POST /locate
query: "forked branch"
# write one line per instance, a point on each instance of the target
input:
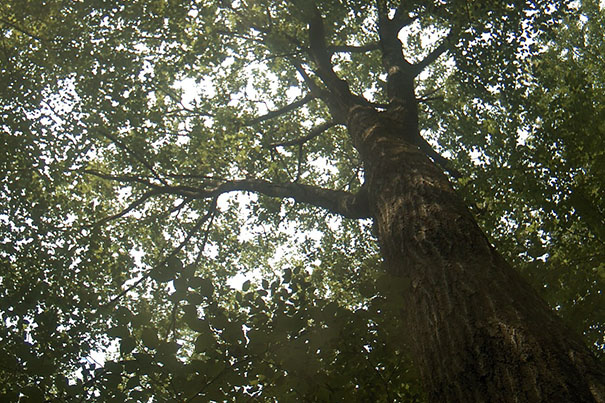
(347, 204)
(281, 111)
(322, 56)
(443, 47)
(315, 132)
(350, 205)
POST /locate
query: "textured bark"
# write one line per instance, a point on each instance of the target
(479, 332)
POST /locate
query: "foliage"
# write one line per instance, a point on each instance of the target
(245, 296)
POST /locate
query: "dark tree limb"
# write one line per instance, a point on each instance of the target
(146, 196)
(313, 87)
(443, 162)
(336, 108)
(443, 47)
(315, 132)
(299, 163)
(383, 14)
(339, 202)
(399, 70)
(283, 110)
(119, 178)
(347, 204)
(322, 57)
(401, 18)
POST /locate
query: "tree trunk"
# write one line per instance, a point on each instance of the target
(479, 332)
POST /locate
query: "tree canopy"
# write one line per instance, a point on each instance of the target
(179, 220)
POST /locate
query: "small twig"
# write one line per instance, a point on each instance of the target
(22, 30)
(174, 252)
(299, 164)
(147, 195)
(134, 154)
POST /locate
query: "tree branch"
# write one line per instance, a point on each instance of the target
(347, 204)
(438, 158)
(282, 110)
(401, 18)
(444, 46)
(147, 195)
(299, 163)
(22, 30)
(322, 57)
(335, 109)
(381, 8)
(339, 202)
(313, 87)
(119, 178)
(316, 131)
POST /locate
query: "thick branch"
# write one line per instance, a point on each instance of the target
(401, 18)
(444, 46)
(335, 107)
(322, 57)
(316, 131)
(438, 158)
(339, 202)
(281, 111)
(347, 204)
(390, 46)
(313, 87)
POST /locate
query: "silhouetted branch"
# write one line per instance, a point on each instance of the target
(119, 178)
(339, 202)
(281, 111)
(146, 196)
(438, 158)
(299, 163)
(313, 87)
(444, 46)
(322, 57)
(401, 18)
(316, 131)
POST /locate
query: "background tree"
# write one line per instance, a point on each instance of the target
(125, 124)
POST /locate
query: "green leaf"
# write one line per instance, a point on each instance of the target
(246, 285)
(150, 337)
(127, 344)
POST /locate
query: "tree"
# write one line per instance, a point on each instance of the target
(117, 236)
